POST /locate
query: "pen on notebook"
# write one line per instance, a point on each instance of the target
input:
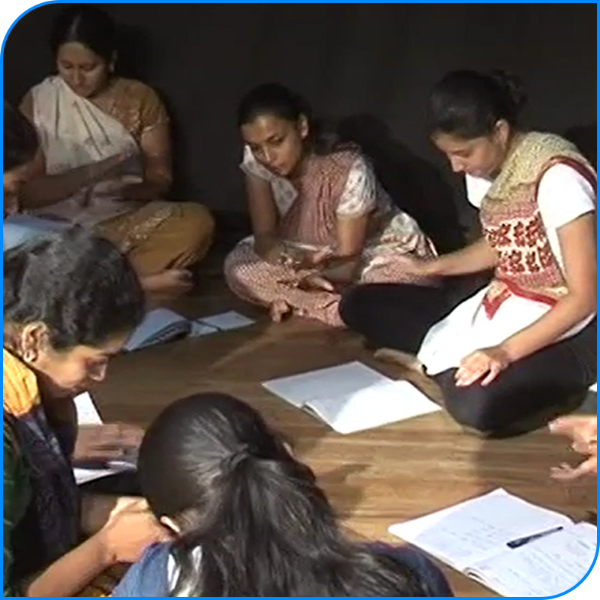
(530, 538)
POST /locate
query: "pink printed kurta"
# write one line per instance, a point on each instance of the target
(337, 186)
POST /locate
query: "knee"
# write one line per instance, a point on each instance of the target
(198, 225)
(475, 407)
(238, 269)
(352, 306)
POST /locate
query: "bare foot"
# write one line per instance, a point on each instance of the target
(172, 281)
(278, 310)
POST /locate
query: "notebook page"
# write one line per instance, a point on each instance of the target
(478, 529)
(227, 320)
(338, 382)
(379, 404)
(158, 325)
(199, 329)
(87, 413)
(546, 567)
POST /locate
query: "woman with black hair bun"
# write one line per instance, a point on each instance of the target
(321, 220)
(522, 349)
(250, 520)
(105, 161)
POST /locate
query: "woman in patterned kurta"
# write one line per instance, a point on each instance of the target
(320, 218)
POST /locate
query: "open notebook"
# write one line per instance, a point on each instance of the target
(513, 547)
(87, 414)
(352, 397)
(163, 325)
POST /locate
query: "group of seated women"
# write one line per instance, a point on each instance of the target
(239, 514)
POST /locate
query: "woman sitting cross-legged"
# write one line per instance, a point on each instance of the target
(320, 218)
(105, 161)
(523, 349)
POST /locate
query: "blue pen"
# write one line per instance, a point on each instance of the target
(530, 538)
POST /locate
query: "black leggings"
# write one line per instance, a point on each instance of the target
(524, 397)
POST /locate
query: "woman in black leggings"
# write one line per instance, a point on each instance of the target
(518, 352)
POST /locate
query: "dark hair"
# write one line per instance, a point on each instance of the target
(468, 104)
(20, 139)
(78, 284)
(87, 25)
(279, 101)
(263, 525)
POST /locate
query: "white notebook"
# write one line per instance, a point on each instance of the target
(87, 414)
(352, 397)
(162, 325)
(513, 547)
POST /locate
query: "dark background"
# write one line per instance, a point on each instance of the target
(374, 60)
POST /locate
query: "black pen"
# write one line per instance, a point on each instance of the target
(530, 538)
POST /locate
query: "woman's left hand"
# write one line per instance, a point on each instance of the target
(482, 365)
(110, 442)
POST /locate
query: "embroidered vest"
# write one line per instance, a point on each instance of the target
(512, 222)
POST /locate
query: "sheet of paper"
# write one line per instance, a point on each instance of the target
(340, 381)
(547, 567)
(227, 320)
(477, 529)
(86, 475)
(352, 397)
(200, 329)
(87, 413)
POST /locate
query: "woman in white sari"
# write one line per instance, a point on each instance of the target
(105, 161)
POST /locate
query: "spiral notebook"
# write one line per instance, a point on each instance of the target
(352, 397)
(513, 547)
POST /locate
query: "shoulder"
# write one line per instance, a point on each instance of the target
(149, 576)
(565, 192)
(135, 87)
(346, 157)
(137, 92)
(342, 164)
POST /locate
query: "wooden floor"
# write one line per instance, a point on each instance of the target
(374, 478)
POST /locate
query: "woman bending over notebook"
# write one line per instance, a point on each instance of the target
(70, 302)
(249, 518)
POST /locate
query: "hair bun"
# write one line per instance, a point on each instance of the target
(512, 86)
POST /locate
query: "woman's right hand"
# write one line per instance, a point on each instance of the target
(112, 167)
(130, 531)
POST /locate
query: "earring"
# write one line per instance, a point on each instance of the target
(30, 356)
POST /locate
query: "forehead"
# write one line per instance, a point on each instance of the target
(265, 127)
(111, 347)
(77, 53)
(451, 144)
